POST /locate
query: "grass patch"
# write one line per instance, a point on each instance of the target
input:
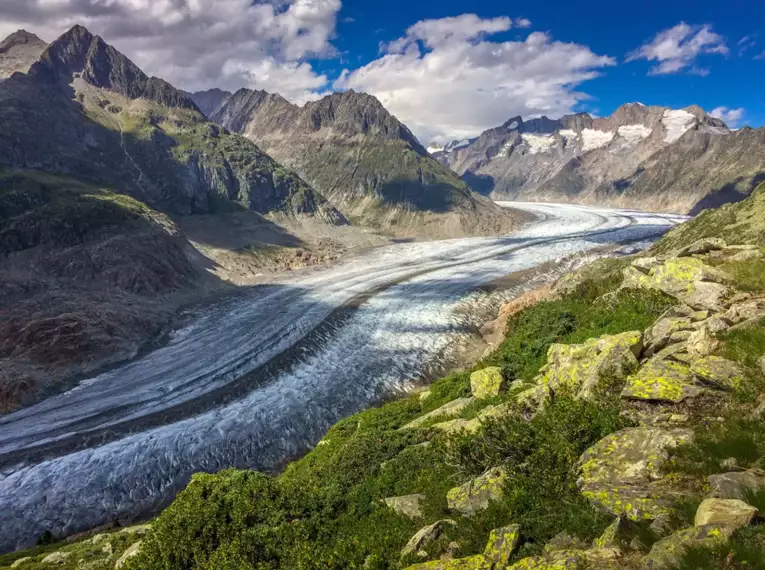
(744, 551)
(747, 275)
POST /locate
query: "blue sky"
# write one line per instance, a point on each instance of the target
(735, 80)
(447, 68)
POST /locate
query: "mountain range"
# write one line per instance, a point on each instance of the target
(366, 162)
(647, 157)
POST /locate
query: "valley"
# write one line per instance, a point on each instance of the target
(121, 444)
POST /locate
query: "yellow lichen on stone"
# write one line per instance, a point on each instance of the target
(487, 383)
(477, 562)
(502, 544)
(661, 380)
(477, 494)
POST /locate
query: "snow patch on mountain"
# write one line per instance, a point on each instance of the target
(594, 139)
(569, 133)
(512, 126)
(677, 123)
(634, 133)
(538, 143)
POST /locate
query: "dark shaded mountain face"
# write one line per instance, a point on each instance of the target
(211, 100)
(350, 148)
(18, 52)
(87, 111)
(654, 158)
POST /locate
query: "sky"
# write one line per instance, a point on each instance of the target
(448, 69)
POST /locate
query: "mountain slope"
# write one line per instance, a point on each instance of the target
(365, 161)
(87, 111)
(648, 157)
(18, 52)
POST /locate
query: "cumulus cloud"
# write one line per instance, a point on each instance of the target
(731, 117)
(446, 79)
(197, 44)
(677, 49)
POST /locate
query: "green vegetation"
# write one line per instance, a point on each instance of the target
(742, 223)
(326, 510)
(744, 551)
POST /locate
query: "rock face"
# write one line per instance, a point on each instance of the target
(364, 160)
(86, 110)
(18, 52)
(655, 158)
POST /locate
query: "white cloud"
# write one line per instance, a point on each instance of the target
(677, 49)
(445, 79)
(731, 117)
(197, 44)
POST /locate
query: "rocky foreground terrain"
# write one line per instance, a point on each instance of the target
(651, 158)
(367, 163)
(618, 425)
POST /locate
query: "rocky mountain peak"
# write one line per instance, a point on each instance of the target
(20, 38)
(211, 100)
(78, 52)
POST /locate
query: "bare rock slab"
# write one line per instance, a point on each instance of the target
(730, 513)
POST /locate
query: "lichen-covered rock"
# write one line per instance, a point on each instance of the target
(730, 513)
(687, 279)
(735, 485)
(718, 371)
(618, 535)
(664, 332)
(702, 342)
(702, 246)
(661, 380)
(425, 536)
(668, 552)
(477, 494)
(747, 255)
(635, 501)
(477, 562)
(58, 557)
(487, 383)
(21, 561)
(631, 455)
(458, 425)
(559, 560)
(409, 505)
(136, 530)
(133, 550)
(744, 312)
(502, 544)
(449, 410)
(579, 368)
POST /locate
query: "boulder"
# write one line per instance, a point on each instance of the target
(133, 550)
(645, 264)
(559, 560)
(687, 279)
(631, 455)
(502, 544)
(449, 410)
(661, 380)
(477, 494)
(730, 513)
(579, 368)
(701, 247)
(664, 332)
(702, 342)
(21, 561)
(409, 506)
(635, 501)
(667, 553)
(477, 562)
(458, 425)
(735, 485)
(746, 311)
(717, 371)
(425, 536)
(487, 383)
(761, 362)
(618, 535)
(136, 530)
(57, 557)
